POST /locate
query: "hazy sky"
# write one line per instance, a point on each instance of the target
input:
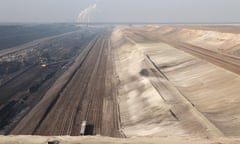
(217, 11)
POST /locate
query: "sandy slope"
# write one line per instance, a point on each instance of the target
(227, 41)
(179, 94)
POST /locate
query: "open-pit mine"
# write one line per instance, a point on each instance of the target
(123, 81)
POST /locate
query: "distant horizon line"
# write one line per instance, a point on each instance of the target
(125, 23)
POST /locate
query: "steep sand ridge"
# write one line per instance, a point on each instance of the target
(226, 42)
(210, 39)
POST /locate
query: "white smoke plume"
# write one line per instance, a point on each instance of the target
(86, 15)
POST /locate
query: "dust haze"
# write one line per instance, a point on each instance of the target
(110, 71)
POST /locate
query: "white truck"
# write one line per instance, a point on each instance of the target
(83, 127)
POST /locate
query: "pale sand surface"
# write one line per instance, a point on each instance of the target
(203, 97)
(227, 42)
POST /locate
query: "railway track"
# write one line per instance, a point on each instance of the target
(86, 72)
(32, 121)
(72, 117)
(80, 99)
(94, 114)
(68, 100)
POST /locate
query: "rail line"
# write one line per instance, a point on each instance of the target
(69, 119)
(81, 98)
(42, 109)
(95, 99)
